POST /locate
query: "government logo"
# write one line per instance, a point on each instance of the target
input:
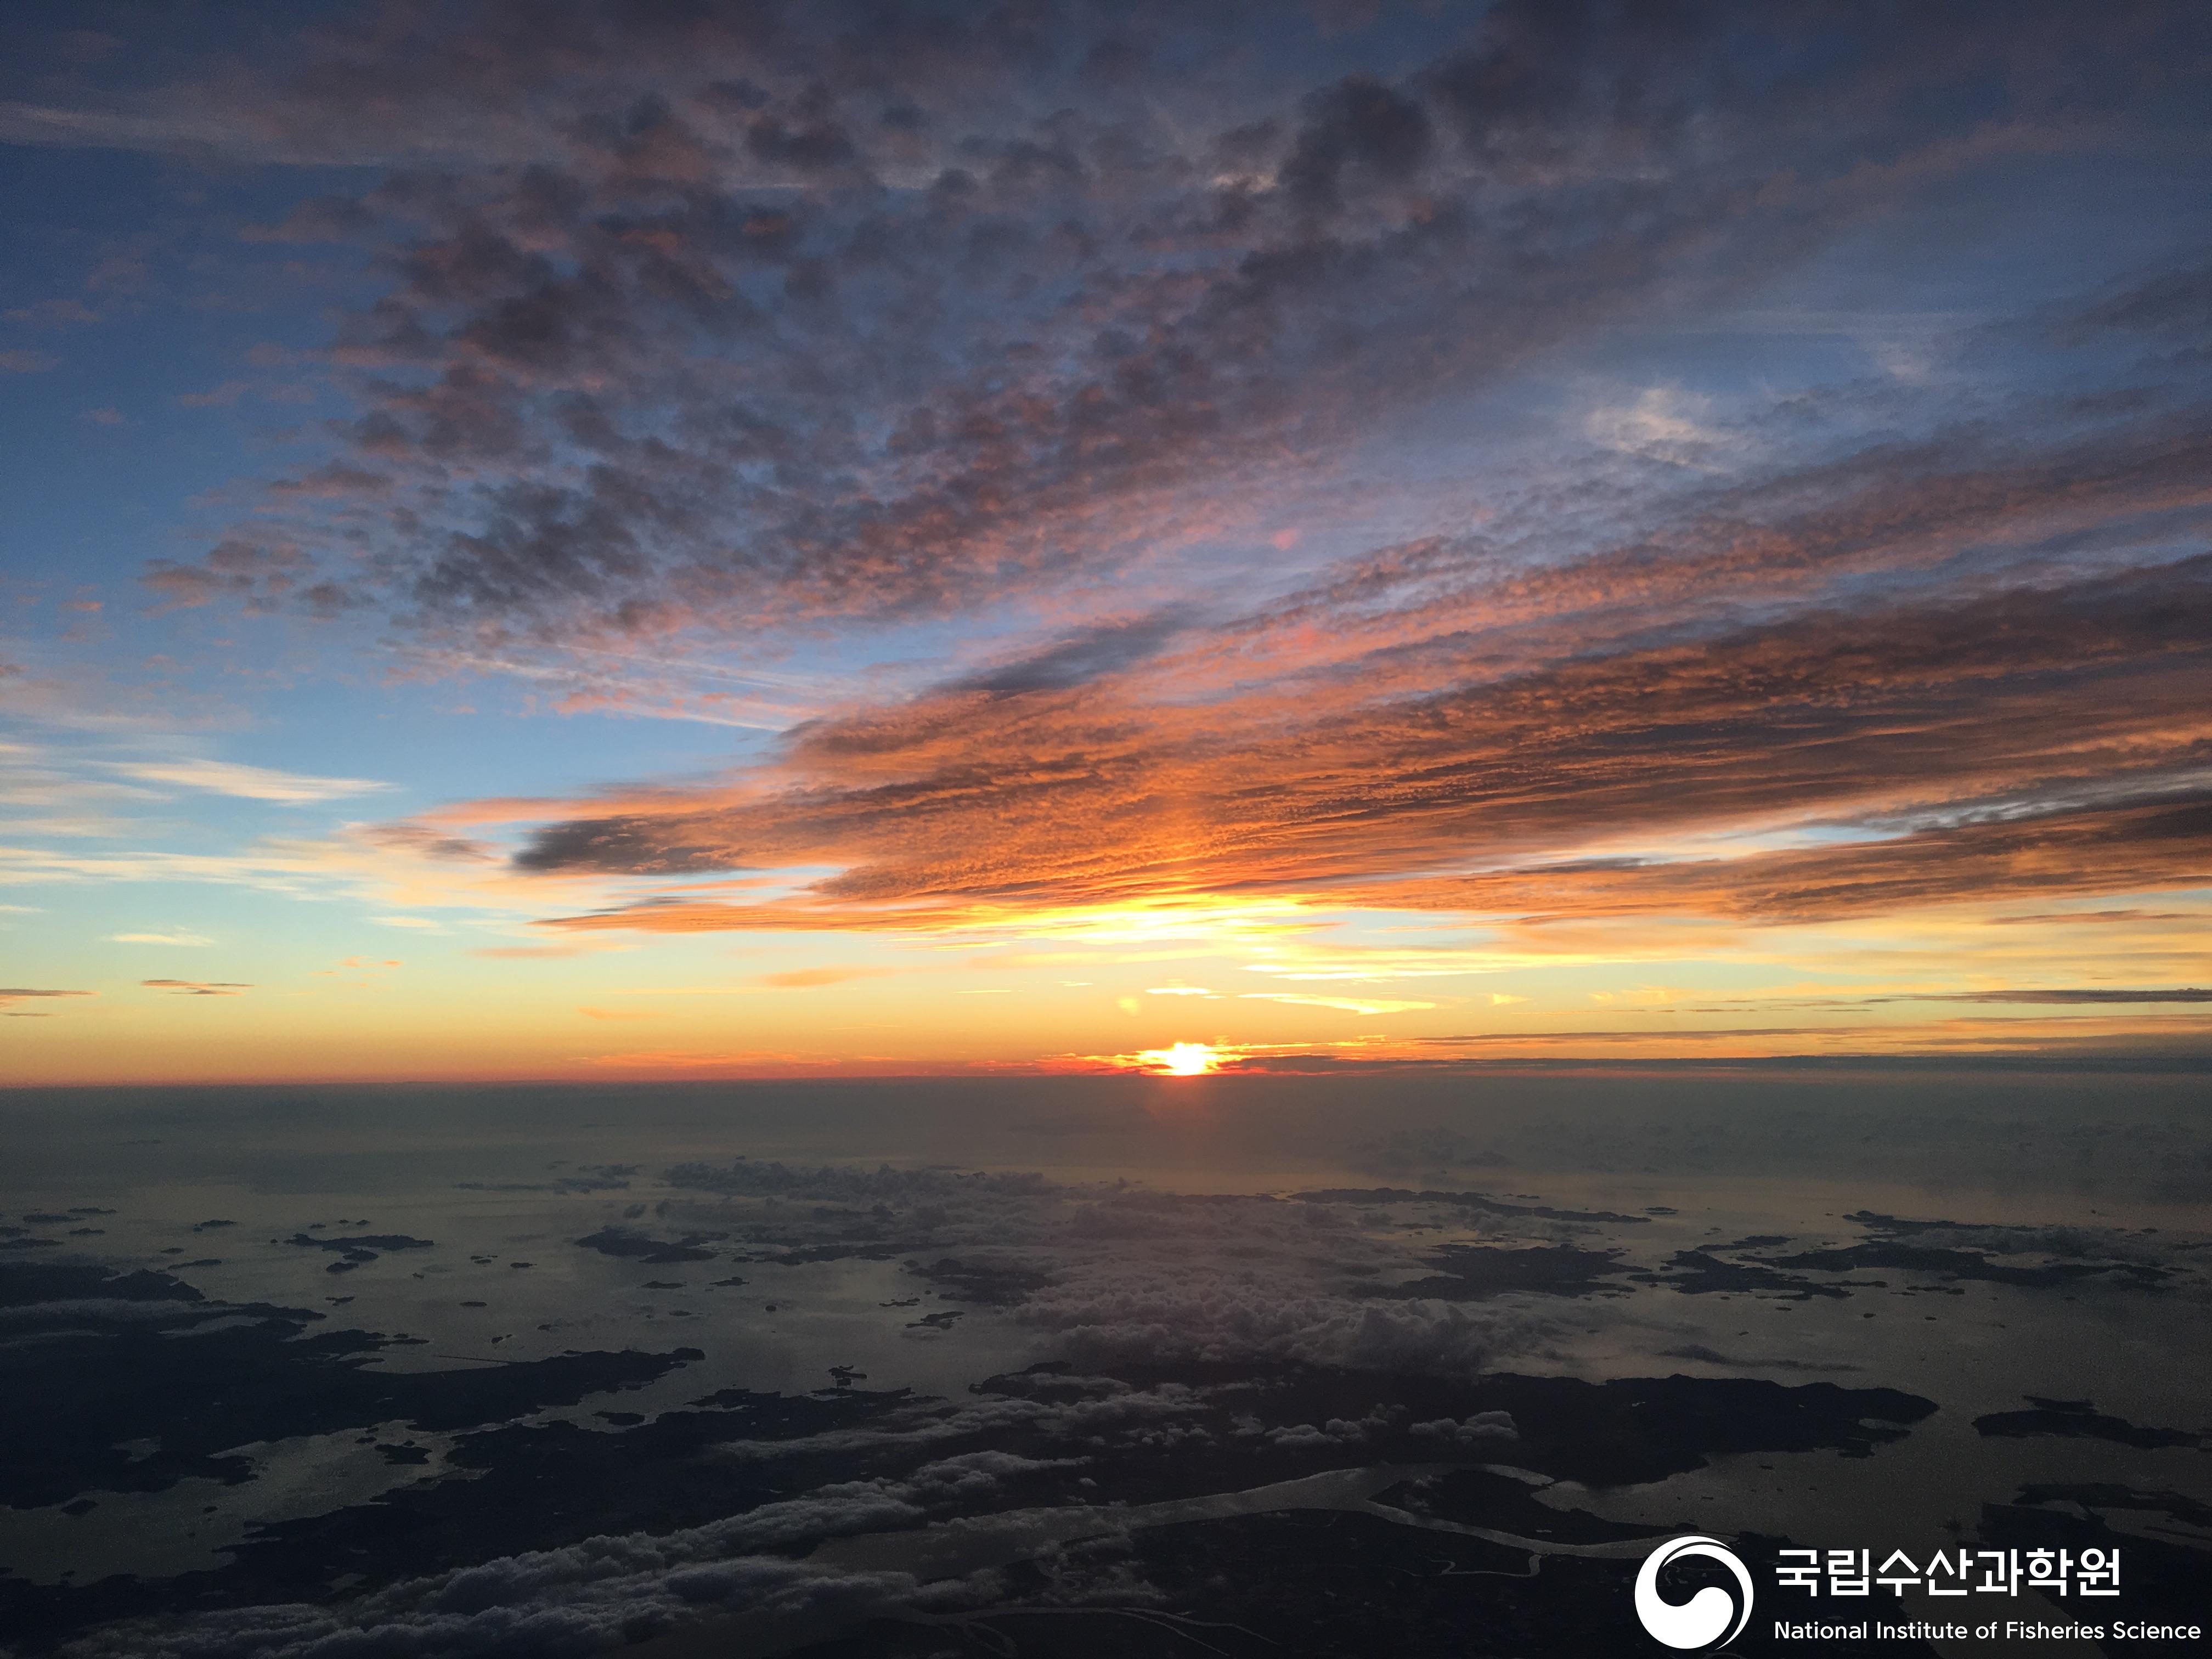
(1700, 1621)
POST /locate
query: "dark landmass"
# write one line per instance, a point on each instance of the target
(1483, 1498)
(864, 1250)
(1474, 1272)
(2089, 1252)
(2105, 1495)
(1478, 1201)
(635, 1246)
(1967, 1264)
(1616, 1433)
(377, 1242)
(1700, 1273)
(161, 1362)
(1201, 1429)
(358, 1251)
(1709, 1356)
(2076, 1418)
(27, 1284)
(534, 1487)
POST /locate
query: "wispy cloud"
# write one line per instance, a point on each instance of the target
(367, 863)
(1342, 1004)
(196, 988)
(803, 978)
(2082, 994)
(542, 952)
(245, 783)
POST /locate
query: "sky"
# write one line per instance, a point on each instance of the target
(571, 539)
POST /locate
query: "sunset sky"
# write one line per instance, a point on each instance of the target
(554, 539)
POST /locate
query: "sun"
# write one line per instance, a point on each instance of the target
(1181, 1059)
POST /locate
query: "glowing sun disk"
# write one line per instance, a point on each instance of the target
(1181, 1059)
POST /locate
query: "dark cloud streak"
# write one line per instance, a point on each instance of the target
(2045, 739)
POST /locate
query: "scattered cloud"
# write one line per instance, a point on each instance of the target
(175, 936)
(671, 420)
(1661, 423)
(196, 988)
(54, 313)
